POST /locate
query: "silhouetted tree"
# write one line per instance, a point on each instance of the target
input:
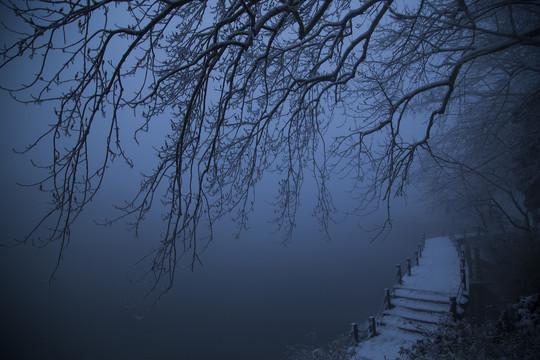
(249, 87)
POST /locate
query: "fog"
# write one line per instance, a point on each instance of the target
(397, 76)
(252, 298)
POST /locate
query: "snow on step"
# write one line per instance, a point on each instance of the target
(389, 340)
(408, 325)
(421, 316)
(428, 296)
(419, 305)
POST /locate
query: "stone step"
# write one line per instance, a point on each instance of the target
(419, 305)
(423, 295)
(408, 325)
(426, 317)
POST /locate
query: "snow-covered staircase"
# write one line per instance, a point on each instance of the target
(417, 311)
(420, 304)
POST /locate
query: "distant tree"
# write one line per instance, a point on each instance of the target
(249, 87)
(485, 167)
(527, 158)
(485, 161)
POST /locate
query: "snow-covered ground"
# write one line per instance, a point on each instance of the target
(421, 304)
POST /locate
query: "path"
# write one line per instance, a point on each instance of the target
(419, 305)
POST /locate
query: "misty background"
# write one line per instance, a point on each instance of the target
(252, 298)
(444, 103)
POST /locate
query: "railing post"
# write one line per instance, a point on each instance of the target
(464, 278)
(420, 250)
(461, 250)
(468, 260)
(416, 256)
(372, 328)
(399, 276)
(409, 266)
(453, 307)
(387, 298)
(477, 263)
(354, 332)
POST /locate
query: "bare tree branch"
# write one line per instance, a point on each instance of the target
(251, 87)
